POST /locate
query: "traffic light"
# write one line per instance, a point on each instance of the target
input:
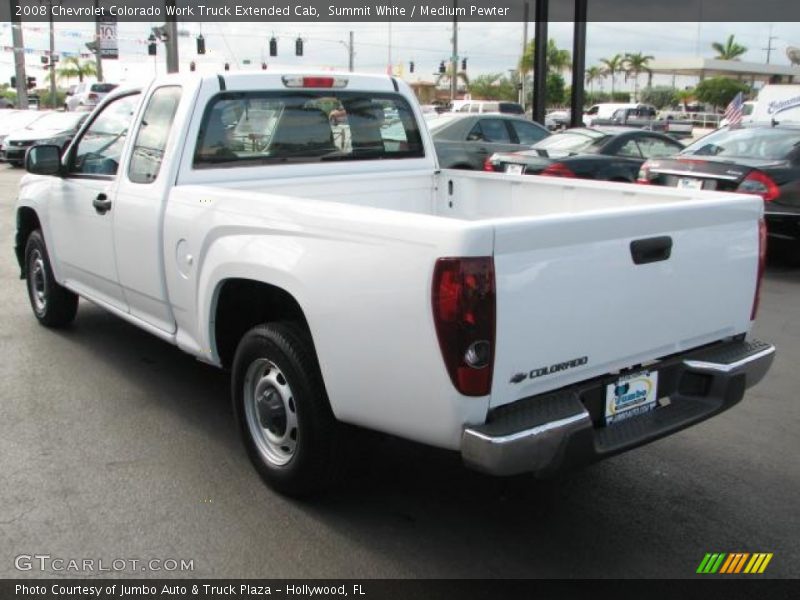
(442, 68)
(13, 82)
(152, 47)
(192, 66)
(201, 44)
(411, 67)
(298, 47)
(263, 66)
(463, 64)
(31, 82)
(273, 46)
(44, 59)
(227, 66)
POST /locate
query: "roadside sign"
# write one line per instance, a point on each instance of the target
(109, 47)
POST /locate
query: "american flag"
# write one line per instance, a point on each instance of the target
(734, 110)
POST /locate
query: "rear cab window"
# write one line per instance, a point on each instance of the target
(300, 126)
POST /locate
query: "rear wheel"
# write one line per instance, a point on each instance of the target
(288, 428)
(53, 305)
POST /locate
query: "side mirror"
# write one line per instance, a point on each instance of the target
(43, 160)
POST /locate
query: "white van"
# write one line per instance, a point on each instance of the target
(604, 110)
(779, 102)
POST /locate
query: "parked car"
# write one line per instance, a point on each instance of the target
(56, 128)
(759, 159)
(612, 154)
(466, 141)
(361, 284)
(604, 110)
(5, 103)
(646, 117)
(14, 120)
(490, 106)
(87, 95)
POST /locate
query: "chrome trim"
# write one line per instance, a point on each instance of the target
(701, 365)
(529, 450)
(695, 174)
(520, 435)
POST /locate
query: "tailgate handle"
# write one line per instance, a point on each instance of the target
(651, 250)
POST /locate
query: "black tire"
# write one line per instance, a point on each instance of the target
(314, 459)
(53, 305)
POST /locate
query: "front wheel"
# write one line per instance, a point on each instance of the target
(282, 410)
(53, 305)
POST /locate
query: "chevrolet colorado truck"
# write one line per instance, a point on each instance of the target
(529, 323)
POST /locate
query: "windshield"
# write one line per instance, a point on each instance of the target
(57, 120)
(765, 143)
(572, 141)
(102, 88)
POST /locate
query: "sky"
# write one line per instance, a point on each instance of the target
(489, 47)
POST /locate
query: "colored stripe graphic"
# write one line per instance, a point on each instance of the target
(741, 562)
(733, 563)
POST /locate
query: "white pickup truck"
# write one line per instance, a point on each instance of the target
(297, 230)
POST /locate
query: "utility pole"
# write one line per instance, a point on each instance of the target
(525, 17)
(770, 47)
(98, 52)
(350, 51)
(454, 58)
(52, 56)
(19, 57)
(171, 41)
(540, 62)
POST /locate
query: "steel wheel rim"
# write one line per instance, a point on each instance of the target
(37, 281)
(270, 412)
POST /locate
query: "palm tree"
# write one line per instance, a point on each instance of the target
(613, 66)
(593, 74)
(72, 66)
(684, 96)
(730, 50)
(635, 64)
(557, 60)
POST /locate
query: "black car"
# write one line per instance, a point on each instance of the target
(757, 158)
(466, 141)
(612, 154)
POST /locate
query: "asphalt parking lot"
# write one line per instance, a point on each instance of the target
(114, 445)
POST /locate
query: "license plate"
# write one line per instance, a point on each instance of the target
(690, 183)
(631, 395)
(514, 169)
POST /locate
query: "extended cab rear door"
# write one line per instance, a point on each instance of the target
(144, 185)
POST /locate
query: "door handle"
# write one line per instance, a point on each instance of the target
(651, 250)
(101, 204)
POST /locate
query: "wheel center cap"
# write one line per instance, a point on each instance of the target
(271, 412)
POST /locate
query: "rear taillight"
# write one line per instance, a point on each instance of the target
(488, 165)
(557, 170)
(758, 182)
(762, 263)
(464, 314)
(644, 174)
(93, 96)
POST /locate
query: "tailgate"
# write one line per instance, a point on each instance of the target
(572, 304)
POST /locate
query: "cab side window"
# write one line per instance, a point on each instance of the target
(148, 148)
(99, 149)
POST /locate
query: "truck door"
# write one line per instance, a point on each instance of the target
(138, 224)
(81, 212)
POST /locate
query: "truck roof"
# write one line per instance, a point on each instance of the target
(248, 80)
